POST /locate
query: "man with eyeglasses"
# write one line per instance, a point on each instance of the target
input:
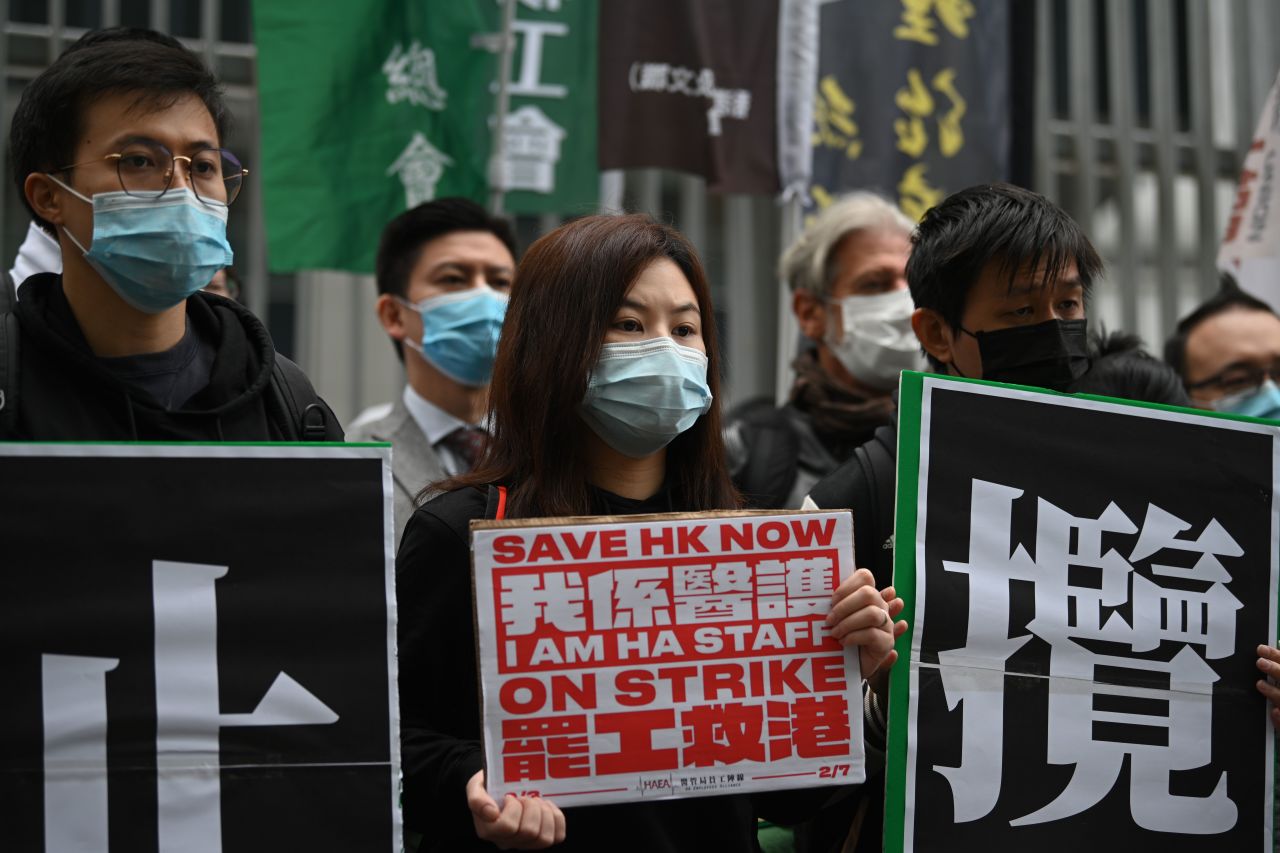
(117, 150)
(1227, 352)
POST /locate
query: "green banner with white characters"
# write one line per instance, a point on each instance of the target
(550, 158)
(371, 108)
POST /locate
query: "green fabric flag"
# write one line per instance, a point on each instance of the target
(551, 121)
(369, 109)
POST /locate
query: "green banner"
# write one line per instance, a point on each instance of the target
(551, 121)
(369, 109)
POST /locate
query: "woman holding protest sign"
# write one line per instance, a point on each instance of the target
(603, 402)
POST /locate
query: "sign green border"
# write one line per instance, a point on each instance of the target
(910, 394)
(910, 404)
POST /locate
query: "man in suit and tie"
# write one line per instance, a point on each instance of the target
(443, 272)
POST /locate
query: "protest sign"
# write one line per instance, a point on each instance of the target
(1086, 584)
(197, 647)
(661, 656)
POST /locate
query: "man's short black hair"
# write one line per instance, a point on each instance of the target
(992, 223)
(151, 65)
(407, 235)
(1122, 368)
(1228, 297)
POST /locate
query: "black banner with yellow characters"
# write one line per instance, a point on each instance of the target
(914, 99)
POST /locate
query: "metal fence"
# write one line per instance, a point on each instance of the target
(1143, 108)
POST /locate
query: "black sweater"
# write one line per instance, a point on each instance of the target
(68, 394)
(440, 709)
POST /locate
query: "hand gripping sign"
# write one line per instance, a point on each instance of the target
(664, 656)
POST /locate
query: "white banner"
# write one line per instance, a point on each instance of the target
(1251, 249)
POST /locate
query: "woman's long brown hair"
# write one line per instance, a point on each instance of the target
(567, 289)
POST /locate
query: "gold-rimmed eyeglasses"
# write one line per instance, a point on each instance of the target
(146, 170)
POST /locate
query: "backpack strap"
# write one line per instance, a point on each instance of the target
(306, 417)
(495, 505)
(865, 484)
(8, 357)
(878, 459)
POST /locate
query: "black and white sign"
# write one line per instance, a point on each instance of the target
(1091, 582)
(197, 649)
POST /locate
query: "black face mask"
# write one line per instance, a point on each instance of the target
(1052, 354)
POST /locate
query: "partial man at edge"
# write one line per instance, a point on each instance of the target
(1227, 352)
(443, 272)
(122, 345)
(847, 274)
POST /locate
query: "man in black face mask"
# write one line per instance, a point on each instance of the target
(999, 276)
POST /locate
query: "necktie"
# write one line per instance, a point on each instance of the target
(467, 443)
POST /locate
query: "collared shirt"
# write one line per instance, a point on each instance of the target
(435, 424)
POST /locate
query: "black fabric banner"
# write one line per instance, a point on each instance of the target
(913, 99)
(195, 650)
(691, 87)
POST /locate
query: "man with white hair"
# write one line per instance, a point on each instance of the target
(847, 274)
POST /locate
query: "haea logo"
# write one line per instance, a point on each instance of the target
(188, 721)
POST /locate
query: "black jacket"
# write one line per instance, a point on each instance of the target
(440, 711)
(66, 394)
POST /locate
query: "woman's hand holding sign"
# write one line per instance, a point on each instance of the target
(523, 823)
(863, 616)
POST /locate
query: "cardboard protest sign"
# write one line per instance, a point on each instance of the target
(648, 657)
(1086, 583)
(197, 647)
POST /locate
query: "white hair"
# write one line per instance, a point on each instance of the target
(804, 265)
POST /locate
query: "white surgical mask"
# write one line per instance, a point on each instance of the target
(643, 394)
(877, 342)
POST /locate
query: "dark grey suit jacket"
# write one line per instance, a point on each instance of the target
(414, 462)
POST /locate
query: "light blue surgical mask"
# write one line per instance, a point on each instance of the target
(1260, 402)
(155, 252)
(642, 395)
(460, 333)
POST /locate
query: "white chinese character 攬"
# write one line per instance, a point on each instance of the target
(1097, 715)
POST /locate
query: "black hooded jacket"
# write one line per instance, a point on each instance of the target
(67, 394)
